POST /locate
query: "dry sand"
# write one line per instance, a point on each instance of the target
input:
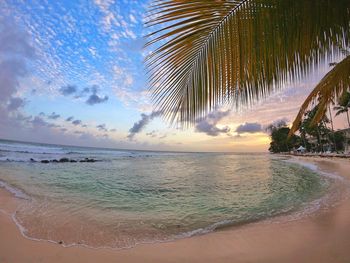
(322, 237)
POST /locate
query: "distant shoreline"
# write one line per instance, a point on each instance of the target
(322, 155)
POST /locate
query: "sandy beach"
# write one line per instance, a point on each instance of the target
(321, 237)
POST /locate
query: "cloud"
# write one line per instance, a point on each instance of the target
(152, 134)
(156, 134)
(249, 128)
(38, 122)
(68, 90)
(141, 124)
(95, 99)
(277, 123)
(54, 116)
(15, 104)
(85, 90)
(10, 72)
(52, 125)
(163, 136)
(69, 119)
(92, 99)
(77, 122)
(15, 52)
(102, 127)
(281, 122)
(209, 124)
(14, 41)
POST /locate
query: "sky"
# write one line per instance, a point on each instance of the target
(72, 72)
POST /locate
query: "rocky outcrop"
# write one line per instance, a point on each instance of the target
(67, 160)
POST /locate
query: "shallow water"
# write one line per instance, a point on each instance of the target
(130, 197)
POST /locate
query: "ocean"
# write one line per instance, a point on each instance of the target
(119, 198)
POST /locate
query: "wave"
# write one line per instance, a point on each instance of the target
(14, 159)
(33, 149)
(15, 191)
(313, 167)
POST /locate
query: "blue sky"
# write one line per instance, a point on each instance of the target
(73, 73)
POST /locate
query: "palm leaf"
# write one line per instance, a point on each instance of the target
(329, 89)
(209, 53)
(340, 110)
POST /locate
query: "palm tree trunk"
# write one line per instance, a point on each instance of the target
(318, 138)
(331, 119)
(346, 139)
(304, 139)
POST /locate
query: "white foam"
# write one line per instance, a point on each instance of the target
(15, 191)
(28, 148)
(315, 168)
(13, 159)
(206, 230)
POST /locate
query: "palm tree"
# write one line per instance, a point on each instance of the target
(317, 131)
(233, 52)
(332, 126)
(343, 106)
(329, 89)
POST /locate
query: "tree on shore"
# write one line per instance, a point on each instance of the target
(315, 130)
(343, 106)
(340, 141)
(280, 142)
(329, 89)
(317, 137)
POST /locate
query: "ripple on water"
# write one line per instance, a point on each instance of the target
(124, 201)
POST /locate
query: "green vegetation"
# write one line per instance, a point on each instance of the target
(343, 106)
(280, 142)
(334, 86)
(314, 137)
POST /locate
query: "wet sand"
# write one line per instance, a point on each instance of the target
(323, 237)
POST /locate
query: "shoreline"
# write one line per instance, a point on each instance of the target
(247, 243)
(315, 155)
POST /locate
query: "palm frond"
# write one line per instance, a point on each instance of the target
(329, 89)
(209, 53)
(340, 111)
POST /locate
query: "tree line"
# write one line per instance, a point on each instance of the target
(314, 137)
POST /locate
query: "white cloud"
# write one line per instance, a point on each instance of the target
(132, 19)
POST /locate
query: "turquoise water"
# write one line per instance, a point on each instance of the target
(130, 197)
